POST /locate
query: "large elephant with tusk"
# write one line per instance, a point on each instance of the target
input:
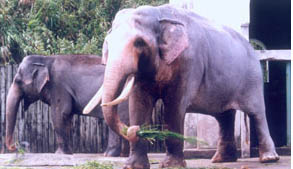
(193, 65)
(66, 83)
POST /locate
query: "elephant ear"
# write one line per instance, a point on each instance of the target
(173, 39)
(40, 76)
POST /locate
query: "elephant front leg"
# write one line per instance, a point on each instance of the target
(138, 158)
(140, 111)
(226, 150)
(62, 126)
(174, 119)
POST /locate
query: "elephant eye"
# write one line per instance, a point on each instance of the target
(17, 79)
(139, 42)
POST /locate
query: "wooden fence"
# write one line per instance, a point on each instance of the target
(34, 126)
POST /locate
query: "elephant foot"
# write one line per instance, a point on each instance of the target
(112, 151)
(269, 157)
(226, 152)
(137, 162)
(63, 151)
(173, 161)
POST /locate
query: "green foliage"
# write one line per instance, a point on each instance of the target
(57, 26)
(156, 132)
(136, 3)
(257, 45)
(94, 165)
(11, 23)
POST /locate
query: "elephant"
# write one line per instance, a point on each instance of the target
(193, 65)
(66, 83)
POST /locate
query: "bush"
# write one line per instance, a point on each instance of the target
(49, 27)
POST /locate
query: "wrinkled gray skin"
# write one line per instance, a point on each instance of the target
(66, 83)
(193, 65)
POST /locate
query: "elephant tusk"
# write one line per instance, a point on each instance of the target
(124, 94)
(93, 102)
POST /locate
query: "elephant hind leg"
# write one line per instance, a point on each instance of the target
(62, 118)
(255, 108)
(226, 148)
(267, 151)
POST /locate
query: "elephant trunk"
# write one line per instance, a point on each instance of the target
(113, 83)
(13, 100)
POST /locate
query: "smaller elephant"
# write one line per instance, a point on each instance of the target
(65, 82)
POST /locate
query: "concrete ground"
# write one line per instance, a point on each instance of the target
(58, 161)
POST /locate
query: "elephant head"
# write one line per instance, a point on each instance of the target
(140, 45)
(29, 81)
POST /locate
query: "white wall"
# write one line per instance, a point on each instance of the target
(232, 13)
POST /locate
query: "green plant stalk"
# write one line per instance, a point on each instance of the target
(153, 133)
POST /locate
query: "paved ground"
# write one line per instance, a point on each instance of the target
(56, 161)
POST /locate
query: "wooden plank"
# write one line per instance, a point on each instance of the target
(28, 131)
(33, 133)
(39, 127)
(88, 136)
(79, 134)
(35, 126)
(2, 105)
(105, 136)
(89, 133)
(25, 125)
(51, 133)
(92, 147)
(288, 102)
(94, 134)
(82, 134)
(97, 135)
(100, 130)
(45, 128)
(76, 134)
(1, 114)
(21, 123)
(71, 135)
(284, 55)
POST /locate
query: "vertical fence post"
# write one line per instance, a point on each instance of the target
(2, 106)
(288, 101)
